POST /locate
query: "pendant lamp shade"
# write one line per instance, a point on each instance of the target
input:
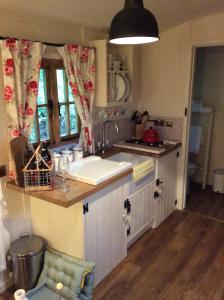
(133, 25)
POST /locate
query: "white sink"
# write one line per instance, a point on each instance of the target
(134, 159)
(94, 170)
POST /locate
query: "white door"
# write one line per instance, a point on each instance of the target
(105, 230)
(141, 215)
(166, 173)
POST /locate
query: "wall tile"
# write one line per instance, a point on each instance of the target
(126, 130)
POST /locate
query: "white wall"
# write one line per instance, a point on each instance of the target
(166, 69)
(14, 221)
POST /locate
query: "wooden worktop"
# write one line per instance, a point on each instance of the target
(78, 191)
(114, 150)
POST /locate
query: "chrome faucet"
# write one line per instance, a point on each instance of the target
(104, 130)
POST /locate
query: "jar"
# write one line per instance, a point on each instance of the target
(77, 153)
(68, 153)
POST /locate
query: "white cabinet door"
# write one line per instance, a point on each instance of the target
(105, 231)
(166, 173)
(141, 215)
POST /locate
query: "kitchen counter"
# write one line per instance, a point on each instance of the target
(114, 150)
(78, 191)
(69, 222)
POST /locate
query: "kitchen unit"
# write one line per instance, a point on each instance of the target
(98, 223)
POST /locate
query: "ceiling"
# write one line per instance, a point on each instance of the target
(99, 13)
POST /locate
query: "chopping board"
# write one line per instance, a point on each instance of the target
(94, 170)
(17, 146)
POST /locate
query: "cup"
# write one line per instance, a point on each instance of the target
(77, 153)
(67, 153)
(64, 167)
(56, 157)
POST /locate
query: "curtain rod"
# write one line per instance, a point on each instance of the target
(45, 43)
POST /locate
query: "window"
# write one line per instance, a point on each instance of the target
(56, 116)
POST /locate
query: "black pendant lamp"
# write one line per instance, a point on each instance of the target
(133, 25)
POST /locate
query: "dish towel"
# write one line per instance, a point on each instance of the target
(143, 169)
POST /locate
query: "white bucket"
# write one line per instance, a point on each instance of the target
(218, 182)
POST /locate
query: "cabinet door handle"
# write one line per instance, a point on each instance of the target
(127, 205)
(156, 194)
(158, 182)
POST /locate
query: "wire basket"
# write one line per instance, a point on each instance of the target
(38, 179)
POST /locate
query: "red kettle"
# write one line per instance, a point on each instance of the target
(151, 136)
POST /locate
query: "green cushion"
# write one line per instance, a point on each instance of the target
(59, 269)
(43, 293)
(87, 290)
(87, 264)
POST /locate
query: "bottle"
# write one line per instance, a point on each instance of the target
(42, 166)
(30, 177)
(46, 154)
(27, 154)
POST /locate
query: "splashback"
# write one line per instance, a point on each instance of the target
(126, 130)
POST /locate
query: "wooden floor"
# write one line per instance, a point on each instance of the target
(8, 295)
(183, 259)
(206, 202)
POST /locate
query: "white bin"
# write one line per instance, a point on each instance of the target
(218, 183)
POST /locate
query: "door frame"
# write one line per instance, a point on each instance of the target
(189, 107)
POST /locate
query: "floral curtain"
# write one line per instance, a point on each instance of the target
(21, 62)
(80, 68)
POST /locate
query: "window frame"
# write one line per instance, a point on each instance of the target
(51, 66)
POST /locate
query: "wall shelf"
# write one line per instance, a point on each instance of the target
(103, 48)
